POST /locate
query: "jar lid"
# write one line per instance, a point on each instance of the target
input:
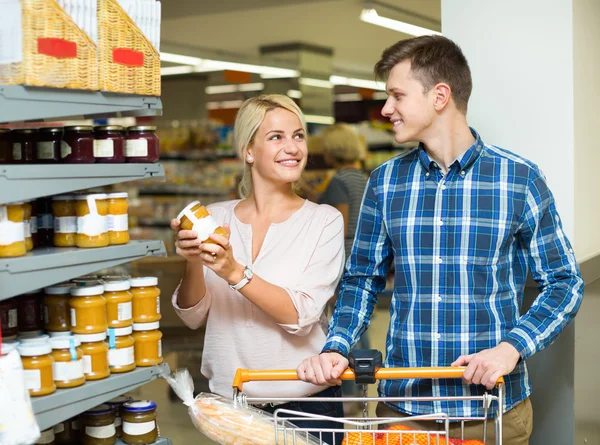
(64, 198)
(92, 195)
(146, 326)
(120, 400)
(139, 406)
(91, 338)
(99, 410)
(109, 278)
(114, 286)
(87, 291)
(142, 128)
(79, 128)
(25, 130)
(78, 282)
(189, 207)
(51, 130)
(59, 289)
(108, 128)
(119, 332)
(32, 337)
(54, 334)
(33, 349)
(143, 281)
(118, 195)
(64, 342)
(9, 346)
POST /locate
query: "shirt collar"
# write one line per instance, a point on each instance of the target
(465, 161)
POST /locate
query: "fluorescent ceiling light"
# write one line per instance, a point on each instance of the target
(175, 70)
(223, 89)
(294, 94)
(316, 119)
(348, 97)
(357, 83)
(224, 104)
(371, 16)
(178, 58)
(315, 82)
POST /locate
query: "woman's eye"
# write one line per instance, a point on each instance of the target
(299, 136)
(276, 136)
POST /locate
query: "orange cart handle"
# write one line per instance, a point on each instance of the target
(250, 375)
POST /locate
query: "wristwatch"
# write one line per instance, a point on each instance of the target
(247, 277)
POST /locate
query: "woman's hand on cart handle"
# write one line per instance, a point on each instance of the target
(487, 366)
(323, 369)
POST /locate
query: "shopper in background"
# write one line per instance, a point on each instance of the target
(462, 221)
(263, 292)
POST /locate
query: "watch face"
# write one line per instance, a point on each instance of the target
(248, 273)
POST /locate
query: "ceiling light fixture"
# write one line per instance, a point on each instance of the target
(316, 119)
(224, 89)
(369, 15)
(294, 94)
(318, 83)
(357, 83)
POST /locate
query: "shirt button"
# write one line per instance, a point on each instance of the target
(440, 223)
(438, 336)
(439, 260)
(443, 187)
(462, 172)
(427, 174)
(438, 298)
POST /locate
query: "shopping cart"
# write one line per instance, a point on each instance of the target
(368, 430)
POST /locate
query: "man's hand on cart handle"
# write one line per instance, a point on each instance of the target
(487, 366)
(323, 369)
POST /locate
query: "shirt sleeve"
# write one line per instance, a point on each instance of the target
(195, 316)
(365, 275)
(319, 280)
(553, 266)
(335, 193)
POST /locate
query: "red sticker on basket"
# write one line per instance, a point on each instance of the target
(128, 57)
(57, 48)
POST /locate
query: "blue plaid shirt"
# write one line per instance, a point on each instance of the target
(461, 244)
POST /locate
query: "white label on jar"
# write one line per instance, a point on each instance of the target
(65, 224)
(45, 150)
(92, 225)
(121, 357)
(46, 437)
(59, 428)
(67, 371)
(73, 318)
(118, 421)
(12, 318)
(124, 311)
(137, 429)
(87, 364)
(34, 224)
(104, 148)
(158, 305)
(17, 156)
(101, 432)
(33, 379)
(11, 232)
(45, 221)
(136, 148)
(118, 223)
(65, 149)
(160, 348)
(204, 226)
(27, 228)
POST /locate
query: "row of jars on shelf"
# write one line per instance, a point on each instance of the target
(81, 144)
(134, 421)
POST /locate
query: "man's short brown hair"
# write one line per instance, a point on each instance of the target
(433, 59)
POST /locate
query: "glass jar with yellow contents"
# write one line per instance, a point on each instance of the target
(117, 404)
(92, 220)
(12, 230)
(121, 356)
(139, 422)
(118, 224)
(118, 303)
(56, 308)
(88, 310)
(65, 221)
(196, 217)
(95, 356)
(146, 299)
(98, 426)
(37, 367)
(68, 362)
(148, 344)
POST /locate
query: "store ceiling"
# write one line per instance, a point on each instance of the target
(240, 27)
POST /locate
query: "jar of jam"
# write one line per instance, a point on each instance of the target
(68, 362)
(31, 315)
(109, 144)
(78, 145)
(37, 368)
(27, 226)
(5, 146)
(65, 221)
(92, 220)
(95, 356)
(48, 145)
(9, 317)
(121, 357)
(45, 222)
(47, 437)
(88, 310)
(196, 217)
(148, 344)
(141, 144)
(117, 404)
(65, 433)
(12, 230)
(98, 426)
(56, 308)
(118, 224)
(139, 422)
(54, 334)
(24, 149)
(146, 299)
(118, 303)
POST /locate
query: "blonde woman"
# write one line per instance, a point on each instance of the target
(262, 293)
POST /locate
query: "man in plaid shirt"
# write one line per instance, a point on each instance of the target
(462, 221)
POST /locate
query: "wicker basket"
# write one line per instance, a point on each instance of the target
(129, 63)
(56, 52)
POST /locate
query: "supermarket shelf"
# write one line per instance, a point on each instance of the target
(47, 266)
(23, 182)
(175, 190)
(22, 103)
(160, 441)
(66, 403)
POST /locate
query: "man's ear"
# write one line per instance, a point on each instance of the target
(441, 96)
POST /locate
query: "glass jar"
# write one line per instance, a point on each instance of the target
(34, 224)
(24, 150)
(117, 404)
(68, 362)
(92, 220)
(56, 308)
(48, 145)
(32, 337)
(146, 299)
(8, 346)
(37, 368)
(5, 146)
(78, 145)
(148, 344)
(98, 426)
(65, 221)
(196, 217)
(12, 230)
(31, 312)
(9, 321)
(65, 433)
(88, 310)
(141, 144)
(109, 144)
(95, 356)
(53, 334)
(118, 224)
(47, 437)
(27, 226)
(139, 422)
(45, 222)
(121, 357)
(118, 303)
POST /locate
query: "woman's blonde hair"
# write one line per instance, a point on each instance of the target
(249, 117)
(342, 143)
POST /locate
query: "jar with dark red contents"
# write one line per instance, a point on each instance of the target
(9, 320)
(109, 144)
(141, 144)
(78, 145)
(45, 222)
(31, 314)
(24, 146)
(48, 145)
(5, 146)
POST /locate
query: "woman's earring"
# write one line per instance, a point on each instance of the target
(250, 159)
